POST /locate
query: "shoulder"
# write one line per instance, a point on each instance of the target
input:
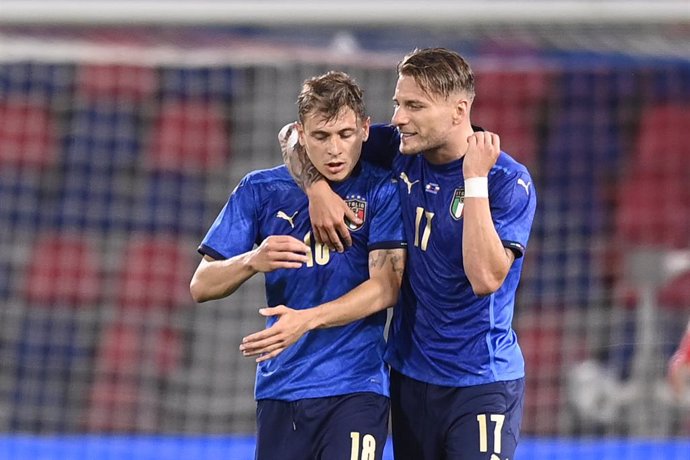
(277, 178)
(263, 176)
(383, 131)
(508, 167)
(511, 182)
(376, 176)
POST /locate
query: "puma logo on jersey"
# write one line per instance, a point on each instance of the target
(524, 184)
(282, 215)
(409, 184)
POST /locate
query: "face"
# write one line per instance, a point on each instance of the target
(334, 146)
(424, 121)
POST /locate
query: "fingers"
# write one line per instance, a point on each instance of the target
(263, 341)
(273, 311)
(333, 237)
(483, 149)
(265, 344)
(486, 139)
(344, 236)
(270, 355)
(265, 353)
(286, 243)
(287, 135)
(336, 236)
(258, 342)
(283, 251)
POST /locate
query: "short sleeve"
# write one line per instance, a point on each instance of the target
(513, 204)
(236, 228)
(386, 226)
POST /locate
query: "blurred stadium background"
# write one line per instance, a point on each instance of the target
(125, 125)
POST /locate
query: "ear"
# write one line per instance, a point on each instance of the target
(300, 133)
(365, 128)
(461, 110)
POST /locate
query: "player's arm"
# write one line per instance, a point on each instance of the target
(486, 261)
(679, 365)
(379, 292)
(215, 279)
(327, 211)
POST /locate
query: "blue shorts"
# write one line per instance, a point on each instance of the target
(353, 426)
(432, 422)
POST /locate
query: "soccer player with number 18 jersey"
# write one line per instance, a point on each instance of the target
(322, 392)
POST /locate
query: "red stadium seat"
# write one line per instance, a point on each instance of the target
(509, 103)
(132, 359)
(119, 82)
(155, 273)
(540, 334)
(28, 134)
(189, 135)
(676, 293)
(654, 200)
(63, 269)
(652, 235)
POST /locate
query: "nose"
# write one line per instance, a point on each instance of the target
(399, 117)
(334, 146)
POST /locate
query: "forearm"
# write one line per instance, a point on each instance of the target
(215, 279)
(484, 257)
(380, 291)
(297, 161)
(366, 299)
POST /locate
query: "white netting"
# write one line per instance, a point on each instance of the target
(119, 146)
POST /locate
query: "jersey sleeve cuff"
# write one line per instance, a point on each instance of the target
(388, 245)
(516, 247)
(209, 251)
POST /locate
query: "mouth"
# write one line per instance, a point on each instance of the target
(334, 167)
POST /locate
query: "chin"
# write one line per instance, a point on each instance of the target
(336, 177)
(408, 149)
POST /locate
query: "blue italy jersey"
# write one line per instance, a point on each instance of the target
(324, 362)
(441, 333)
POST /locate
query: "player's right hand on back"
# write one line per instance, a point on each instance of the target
(328, 214)
(278, 251)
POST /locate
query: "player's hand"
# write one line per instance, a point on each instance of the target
(278, 251)
(269, 343)
(677, 374)
(288, 138)
(329, 214)
(678, 371)
(482, 152)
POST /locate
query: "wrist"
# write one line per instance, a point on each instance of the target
(477, 187)
(249, 262)
(316, 187)
(312, 315)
